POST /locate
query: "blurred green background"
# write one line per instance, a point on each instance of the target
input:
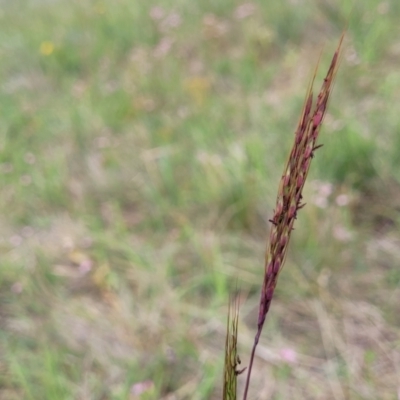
(141, 145)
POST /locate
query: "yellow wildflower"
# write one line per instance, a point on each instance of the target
(46, 48)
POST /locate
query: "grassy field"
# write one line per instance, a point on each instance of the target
(141, 146)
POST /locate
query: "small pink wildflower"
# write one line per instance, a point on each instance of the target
(342, 200)
(245, 10)
(163, 47)
(15, 240)
(288, 355)
(171, 21)
(17, 288)
(156, 13)
(141, 387)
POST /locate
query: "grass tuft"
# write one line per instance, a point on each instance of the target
(232, 360)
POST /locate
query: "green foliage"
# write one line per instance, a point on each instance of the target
(350, 157)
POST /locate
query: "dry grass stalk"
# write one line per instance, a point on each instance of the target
(289, 199)
(232, 360)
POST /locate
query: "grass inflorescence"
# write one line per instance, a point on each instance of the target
(288, 203)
